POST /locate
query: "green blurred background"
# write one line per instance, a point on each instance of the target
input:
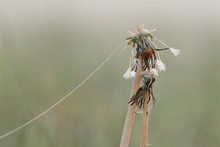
(47, 47)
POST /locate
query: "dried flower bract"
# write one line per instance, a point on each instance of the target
(147, 80)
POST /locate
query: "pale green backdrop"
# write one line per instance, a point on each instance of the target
(47, 47)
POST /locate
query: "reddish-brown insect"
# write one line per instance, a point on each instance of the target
(148, 57)
(147, 53)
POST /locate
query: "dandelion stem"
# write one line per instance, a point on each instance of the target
(144, 124)
(131, 112)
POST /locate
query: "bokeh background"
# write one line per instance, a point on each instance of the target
(47, 47)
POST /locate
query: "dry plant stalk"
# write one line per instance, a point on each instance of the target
(146, 66)
(131, 113)
(144, 123)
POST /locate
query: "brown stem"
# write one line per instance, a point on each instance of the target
(131, 112)
(144, 125)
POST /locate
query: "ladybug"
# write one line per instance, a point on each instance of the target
(148, 58)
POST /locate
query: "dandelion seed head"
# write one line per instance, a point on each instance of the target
(140, 35)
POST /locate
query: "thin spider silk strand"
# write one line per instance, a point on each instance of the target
(65, 97)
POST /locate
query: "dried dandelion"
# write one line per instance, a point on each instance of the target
(147, 64)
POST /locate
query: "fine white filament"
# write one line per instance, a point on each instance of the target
(62, 99)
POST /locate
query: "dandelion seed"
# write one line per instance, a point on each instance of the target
(146, 31)
(160, 66)
(129, 74)
(148, 74)
(151, 43)
(140, 28)
(133, 73)
(154, 72)
(153, 30)
(176, 52)
(136, 64)
(161, 42)
(130, 32)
